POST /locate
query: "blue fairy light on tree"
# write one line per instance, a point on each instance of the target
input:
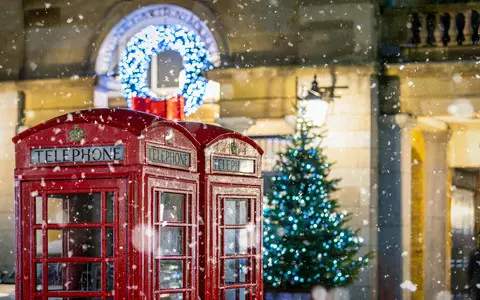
(307, 241)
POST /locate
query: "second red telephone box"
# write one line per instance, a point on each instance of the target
(231, 208)
(167, 229)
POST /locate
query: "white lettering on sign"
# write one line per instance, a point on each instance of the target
(76, 154)
(224, 164)
(168, 156)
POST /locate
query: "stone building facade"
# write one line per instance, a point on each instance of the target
(395, 132)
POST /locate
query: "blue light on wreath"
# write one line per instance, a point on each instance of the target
(135, 62)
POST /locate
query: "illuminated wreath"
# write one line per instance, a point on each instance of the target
(135, 62)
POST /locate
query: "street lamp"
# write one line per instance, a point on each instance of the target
(315, 103)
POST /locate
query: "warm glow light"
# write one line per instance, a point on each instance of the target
(462, 213)
(316, 111)
(212, 93)
(461, 108)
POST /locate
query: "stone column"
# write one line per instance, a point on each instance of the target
(105, 87)
(436, 212)
(394, 191)
(9, 99)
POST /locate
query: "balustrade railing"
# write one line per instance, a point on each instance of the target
(433, 25)
(439, 28)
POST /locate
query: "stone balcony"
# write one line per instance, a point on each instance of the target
(431, 33)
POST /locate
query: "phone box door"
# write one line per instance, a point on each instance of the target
(237, 238)
(170, 212)
(175, 236)
(72, 174)
(234, 192)
(73, 239)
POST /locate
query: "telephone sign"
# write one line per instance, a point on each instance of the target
(233, 165)
(76, 154)
(168, 156)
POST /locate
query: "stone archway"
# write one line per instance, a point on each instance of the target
(115, 40)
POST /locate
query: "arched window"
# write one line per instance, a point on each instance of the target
(166, 74)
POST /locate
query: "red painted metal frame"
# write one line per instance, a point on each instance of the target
(125, 119)
(250, 255)
(127, 174)
(102, 127)
(218, 190)
(159, 182)
(175, 178)
(43, 188)
(187, 239)
(136, 182)
(162, 179)
(208, 136)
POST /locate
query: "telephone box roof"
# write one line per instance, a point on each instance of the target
(130, 120)
(208, 134)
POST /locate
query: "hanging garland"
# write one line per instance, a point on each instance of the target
(135, 62)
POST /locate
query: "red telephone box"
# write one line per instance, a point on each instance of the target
(231, 209)
(168, 224)
(110, 204)
(106, 201)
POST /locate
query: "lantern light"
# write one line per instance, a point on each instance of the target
(316, 101)
(315, 104)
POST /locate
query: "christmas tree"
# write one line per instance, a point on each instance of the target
(306, 238)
